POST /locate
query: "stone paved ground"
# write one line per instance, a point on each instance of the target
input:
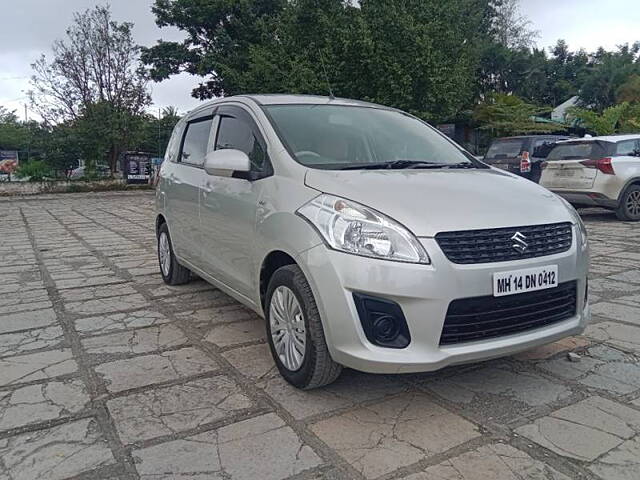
(106, 373)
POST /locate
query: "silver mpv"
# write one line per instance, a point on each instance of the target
(365, 237)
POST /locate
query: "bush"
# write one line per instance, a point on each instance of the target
(34, 170)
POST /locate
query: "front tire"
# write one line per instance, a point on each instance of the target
(172, 272)
(294, 331)
(629, 208)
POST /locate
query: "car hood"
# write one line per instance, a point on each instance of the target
(432, 201)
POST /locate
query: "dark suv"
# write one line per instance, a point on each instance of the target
(521, 155)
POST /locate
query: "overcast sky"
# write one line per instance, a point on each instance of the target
(30, 26)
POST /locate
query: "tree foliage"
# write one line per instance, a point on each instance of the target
(621, 118)
(505, 115)
(95, 71)
(421, 56)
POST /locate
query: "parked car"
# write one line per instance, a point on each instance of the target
(521, 155)
(365, 237)
(597, 171)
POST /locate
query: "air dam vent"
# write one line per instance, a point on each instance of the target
(480, 318)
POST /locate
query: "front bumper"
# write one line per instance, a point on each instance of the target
(424, 292)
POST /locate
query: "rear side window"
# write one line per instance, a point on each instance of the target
(238, 134)
(196, 139)
(505, 148)
(578, 151)
(628, 147)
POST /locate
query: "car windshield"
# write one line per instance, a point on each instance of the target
(577, 151)
(339, 136)
(510, 148)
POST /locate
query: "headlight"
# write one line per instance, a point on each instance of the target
(578, 221)
(353, 228)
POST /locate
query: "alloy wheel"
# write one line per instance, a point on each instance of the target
(164, 252)
(633, 203)
(288, 332)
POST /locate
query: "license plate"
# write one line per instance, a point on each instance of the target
(565, 173)
(525, 280)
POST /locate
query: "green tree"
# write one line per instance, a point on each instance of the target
(504, 115)
(421, 56)
(35, 170)
(95, 69)
(629, 91)
(606, 123)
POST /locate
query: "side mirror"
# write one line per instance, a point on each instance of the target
(226, 161)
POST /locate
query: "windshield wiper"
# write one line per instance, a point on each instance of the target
(394, 164)
(462, 165)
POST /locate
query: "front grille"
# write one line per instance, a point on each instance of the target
(497, 244)
(479, 318)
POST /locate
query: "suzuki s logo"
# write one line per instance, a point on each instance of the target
(519, 242)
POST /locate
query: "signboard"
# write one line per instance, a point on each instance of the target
(8, 163)
(136, 167)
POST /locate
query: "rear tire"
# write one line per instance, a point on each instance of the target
(172, 272)
(289, 297)
(629, 208)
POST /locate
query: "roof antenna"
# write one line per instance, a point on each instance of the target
(326, 77)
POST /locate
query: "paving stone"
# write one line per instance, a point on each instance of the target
(604, 286)
(631, 276)
(491, 462)
(621, 463)
(625, 337)
(164, 411)
(237, 332)
(379, 438)
(55, 453)
(546, 351)
(276, 453)
(190, 301)
(36, 366)
(498, 393)
(87, 281)
(585, 430)
(23, 320)
(119, 321)
(142, 340)
(148, 369)
(614, 311)
(103, 291)
(600, 367)
(213, 315)
(20, 342)
(39, 403)
(163, 290)
(351, 388)
(106, 305)
(253, 361)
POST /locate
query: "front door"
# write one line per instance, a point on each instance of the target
(229, 204)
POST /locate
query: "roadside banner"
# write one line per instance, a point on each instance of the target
(8, 163)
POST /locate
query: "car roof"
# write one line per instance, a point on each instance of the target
(606, 138)
(524, 137)
(289, 99)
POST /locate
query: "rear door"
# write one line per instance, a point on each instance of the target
(564, 168)
(183, 195)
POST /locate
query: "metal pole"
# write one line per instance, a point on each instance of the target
(159, 120)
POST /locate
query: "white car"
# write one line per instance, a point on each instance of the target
(597, 172)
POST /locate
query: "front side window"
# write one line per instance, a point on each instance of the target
(196, 139)
(237, 134)
(341, 136)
